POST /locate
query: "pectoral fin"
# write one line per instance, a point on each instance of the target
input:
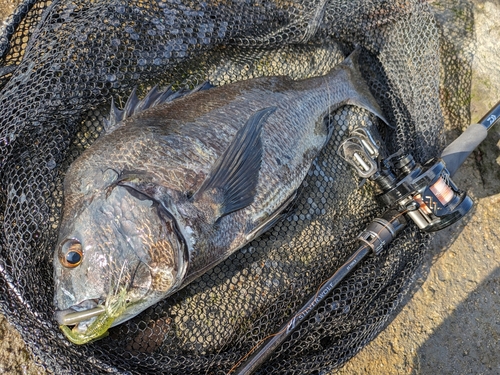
(233, 180)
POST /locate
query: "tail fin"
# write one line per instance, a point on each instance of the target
(365, 98)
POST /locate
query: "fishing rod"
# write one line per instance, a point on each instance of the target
(424, 194)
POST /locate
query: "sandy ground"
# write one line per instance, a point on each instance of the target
(7, 7)
(451, 325)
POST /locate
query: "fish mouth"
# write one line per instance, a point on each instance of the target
(82, 312)
(91, 320)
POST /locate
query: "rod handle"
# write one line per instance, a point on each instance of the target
(455, 154)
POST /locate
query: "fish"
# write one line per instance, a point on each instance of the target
(179, 181)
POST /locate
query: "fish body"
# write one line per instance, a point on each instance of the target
(171, 190)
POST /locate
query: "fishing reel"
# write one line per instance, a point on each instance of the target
(425, 193)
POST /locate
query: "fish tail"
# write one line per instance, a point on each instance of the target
(365, 98)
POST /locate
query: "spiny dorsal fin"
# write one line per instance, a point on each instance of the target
(153, 98)
(233, 179)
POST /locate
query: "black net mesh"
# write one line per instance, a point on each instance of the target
(62, 61)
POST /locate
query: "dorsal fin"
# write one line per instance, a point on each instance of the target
(153, 98)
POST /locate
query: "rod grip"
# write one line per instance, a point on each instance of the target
(455, 154)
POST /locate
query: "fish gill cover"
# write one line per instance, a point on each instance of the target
(63, 61)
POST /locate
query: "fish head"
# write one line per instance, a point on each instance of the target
(116, 255)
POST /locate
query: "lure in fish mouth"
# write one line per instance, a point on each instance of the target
(100, 319)
(181, 180)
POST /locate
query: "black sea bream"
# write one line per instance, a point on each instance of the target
(178, 183)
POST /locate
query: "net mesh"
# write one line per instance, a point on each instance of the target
(63, 61)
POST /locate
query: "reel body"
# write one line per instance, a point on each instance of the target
(426, 193)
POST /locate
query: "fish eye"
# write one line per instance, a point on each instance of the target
(71, 253)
